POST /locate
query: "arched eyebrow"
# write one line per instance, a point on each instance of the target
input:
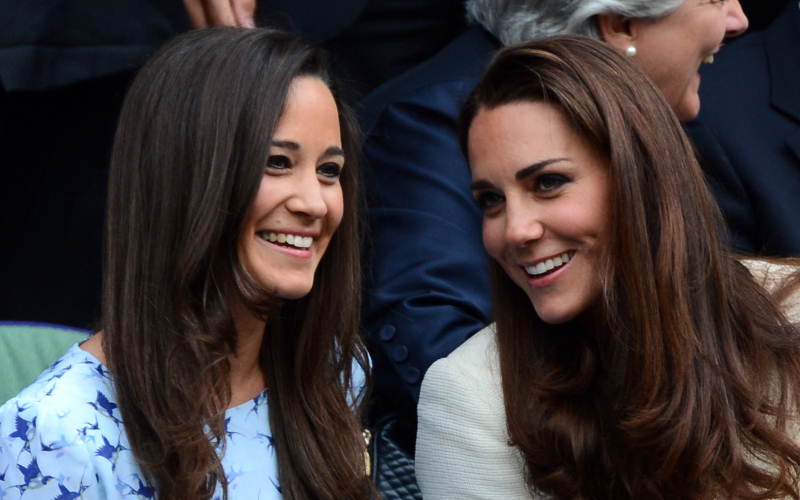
(521, 174)
(294, 146)
(333, 151)
(532, 169)
(290, 145)
(481, 185)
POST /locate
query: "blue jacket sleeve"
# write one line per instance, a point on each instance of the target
(427, 284)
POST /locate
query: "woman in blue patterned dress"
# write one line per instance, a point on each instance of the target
(219, 371)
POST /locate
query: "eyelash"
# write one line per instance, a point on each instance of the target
(487, 200)
(328, 170)
(558, 179)
(272, 162)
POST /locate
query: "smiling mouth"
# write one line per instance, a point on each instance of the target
(287, 240)
(549, 266)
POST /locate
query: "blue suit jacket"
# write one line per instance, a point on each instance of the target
(748, 133)
(427, 283)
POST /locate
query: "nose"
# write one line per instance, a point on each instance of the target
(308, 199)
(737, 21)
(523, 225)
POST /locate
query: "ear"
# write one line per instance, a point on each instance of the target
(615, 30)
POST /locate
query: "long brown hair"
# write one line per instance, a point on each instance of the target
(683, 386)
(189, 155)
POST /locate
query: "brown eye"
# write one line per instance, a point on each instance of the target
(550, 182)
(487, 200)
(330, 170)
(278, 162)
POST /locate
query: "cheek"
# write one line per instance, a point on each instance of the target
(493, 238)
(267, 198)
(673, 86)
(671, 74)
(335, 203)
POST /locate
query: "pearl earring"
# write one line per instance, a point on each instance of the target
(630, 51)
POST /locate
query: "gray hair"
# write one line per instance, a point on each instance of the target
(514, 21)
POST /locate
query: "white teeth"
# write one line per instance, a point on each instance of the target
(548, 265)
(709, 59)
(289, 239)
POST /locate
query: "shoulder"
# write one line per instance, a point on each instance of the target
(768, 273)
(75, 377)
(468, 380)
(452, 72)
(477, 359)
(463, 448)
(65, 434)
(73, 400)
(73, 388)
(771, 275)
(479, 351)
(47, 441)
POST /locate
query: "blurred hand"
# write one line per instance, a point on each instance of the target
(207, 13)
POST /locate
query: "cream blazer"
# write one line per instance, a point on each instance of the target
(463, 449)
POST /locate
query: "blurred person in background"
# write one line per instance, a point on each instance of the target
(748, 134)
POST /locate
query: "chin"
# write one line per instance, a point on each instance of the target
(286, 291)
(293, 293)
(554, 317)
(684, 116)
(688, 108)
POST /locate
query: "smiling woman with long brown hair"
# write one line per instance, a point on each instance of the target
(229, 362)
(633, 355)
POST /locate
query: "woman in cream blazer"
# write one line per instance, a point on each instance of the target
(633, 355)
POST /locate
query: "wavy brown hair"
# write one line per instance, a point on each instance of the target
(684, 383)
(193, 139)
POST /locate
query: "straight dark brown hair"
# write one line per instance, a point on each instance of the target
(193, 140)
(684, 386)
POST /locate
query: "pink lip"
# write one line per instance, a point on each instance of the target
(549, 279)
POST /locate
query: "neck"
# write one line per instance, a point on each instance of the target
(247, 377)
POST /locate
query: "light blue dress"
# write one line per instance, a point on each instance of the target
(61, 438)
